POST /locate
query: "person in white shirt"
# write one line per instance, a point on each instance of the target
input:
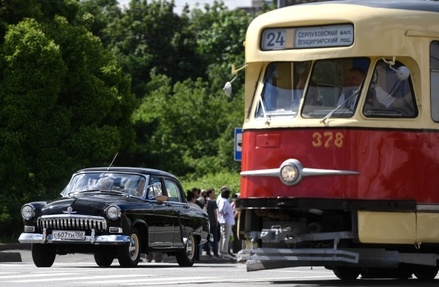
(226, 220)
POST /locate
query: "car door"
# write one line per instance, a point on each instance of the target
(164, 217)
(176, 198)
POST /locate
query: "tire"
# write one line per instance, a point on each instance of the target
(426, 273)
(43, 255)
(346, 273)
(129, 254)
(186, 257)
(404, 272)
(104, 257)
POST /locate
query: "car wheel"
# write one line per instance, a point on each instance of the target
(186, 257)
(404, 272)
(129, 254)
(104, 257)
(43, 255)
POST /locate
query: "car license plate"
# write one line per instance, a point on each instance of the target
(68, 235)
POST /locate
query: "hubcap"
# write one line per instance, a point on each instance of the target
(133, 249)
(190, 247)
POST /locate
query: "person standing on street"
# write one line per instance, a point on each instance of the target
(226, 220)
(197, 193)
(212, 211)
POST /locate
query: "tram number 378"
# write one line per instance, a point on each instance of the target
(328, 139)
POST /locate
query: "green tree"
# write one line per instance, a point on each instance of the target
(64, 104)
(183, 123)
(13, 11)
(187, 127)
(151, 36)
(98, 16)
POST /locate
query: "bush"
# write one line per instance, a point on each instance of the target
(215, 181)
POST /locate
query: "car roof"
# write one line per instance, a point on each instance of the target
(146, 171)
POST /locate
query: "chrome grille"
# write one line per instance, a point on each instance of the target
(72, 222)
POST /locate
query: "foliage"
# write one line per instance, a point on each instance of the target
(63, 106)
(182, 123)
(220, 32)
(190, 124)
(150, 36)
(97, 15)
(215, 181)
(14, 11)
(85, 80)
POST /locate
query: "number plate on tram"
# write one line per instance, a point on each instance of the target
(68, 235)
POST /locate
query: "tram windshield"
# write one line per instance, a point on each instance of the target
(284, 83)
(332, 88)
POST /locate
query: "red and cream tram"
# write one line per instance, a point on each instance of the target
(340, 148)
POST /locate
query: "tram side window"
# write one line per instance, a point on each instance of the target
(434, 80)
(388, 96)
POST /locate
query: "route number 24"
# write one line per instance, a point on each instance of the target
(273, 39)
(328, 139)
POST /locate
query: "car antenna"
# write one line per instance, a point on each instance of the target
(112, 161)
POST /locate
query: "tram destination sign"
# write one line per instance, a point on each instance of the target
(307, 37)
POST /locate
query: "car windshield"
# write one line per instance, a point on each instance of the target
(130, 184)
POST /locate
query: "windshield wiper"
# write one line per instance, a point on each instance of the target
(354, 94)
(264, 112)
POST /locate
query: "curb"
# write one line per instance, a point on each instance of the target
(12, 256)
(14, 246)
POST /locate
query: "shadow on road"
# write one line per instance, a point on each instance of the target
(358, 283)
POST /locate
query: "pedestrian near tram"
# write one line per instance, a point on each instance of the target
(211, 208)
(226, 220)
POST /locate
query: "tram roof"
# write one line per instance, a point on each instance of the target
(392, 20)
(420, 5)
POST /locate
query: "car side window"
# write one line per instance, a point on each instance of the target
(155, 188)
(173, 191)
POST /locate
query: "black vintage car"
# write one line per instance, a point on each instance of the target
(116, 212)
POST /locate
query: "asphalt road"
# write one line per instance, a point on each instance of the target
(81, 270)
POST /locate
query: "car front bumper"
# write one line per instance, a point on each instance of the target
(116, 239)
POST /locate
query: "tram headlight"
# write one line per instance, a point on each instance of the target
(291, 172)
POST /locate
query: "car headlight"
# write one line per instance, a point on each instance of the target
(291, 172)
(28, 211)
(113, 212)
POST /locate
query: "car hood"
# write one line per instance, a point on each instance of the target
(86, 204)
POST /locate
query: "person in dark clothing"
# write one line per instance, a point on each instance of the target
(212, 210)
(197, 192)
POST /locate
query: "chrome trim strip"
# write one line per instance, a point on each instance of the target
(303, 172)
(274, 172)
(306, 172)
(427, 207)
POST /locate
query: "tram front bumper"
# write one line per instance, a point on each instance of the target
(274, 258)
